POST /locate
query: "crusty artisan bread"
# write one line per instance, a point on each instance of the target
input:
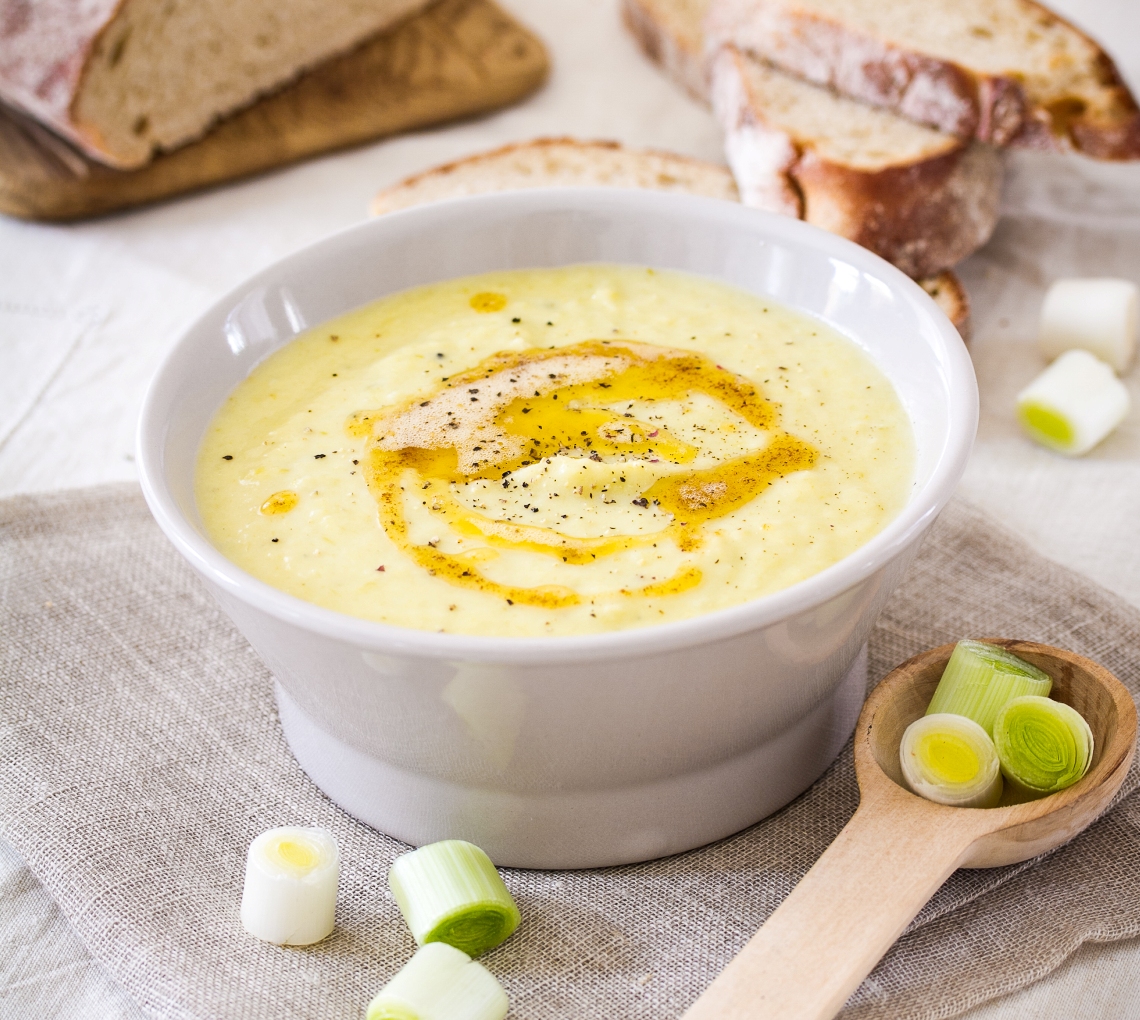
(456, 58)
(999, 70)
(949, 295)
(552, 162)
(559, 162)
(125, 78)
(670, 33)
(921, 198)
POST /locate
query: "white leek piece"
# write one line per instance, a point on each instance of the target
(1043, 745)
(979, 679)
(1073, 404)
(1099, 316)
(291, 876)
(950, 759)
(450, 892)
(440, 983)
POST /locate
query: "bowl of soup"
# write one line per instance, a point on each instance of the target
(561, 518)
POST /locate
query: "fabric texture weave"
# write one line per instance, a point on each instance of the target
(140, 753)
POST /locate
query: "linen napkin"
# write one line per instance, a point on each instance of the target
(140, 752)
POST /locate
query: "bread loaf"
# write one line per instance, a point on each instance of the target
(555, 162)
(559, 162)
(920, 198)
(1003, 71)
(123, 79)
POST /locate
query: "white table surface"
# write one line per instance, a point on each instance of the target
(87, 311)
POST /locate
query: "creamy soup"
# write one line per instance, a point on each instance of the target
(554, 451)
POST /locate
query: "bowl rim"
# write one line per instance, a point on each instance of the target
(916, 516)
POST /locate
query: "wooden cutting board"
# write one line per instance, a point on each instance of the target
(456, 59)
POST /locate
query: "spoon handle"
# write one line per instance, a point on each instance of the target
(817, 947)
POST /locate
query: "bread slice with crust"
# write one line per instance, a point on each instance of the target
(1003, 71)
(920, 198)
(555, 162)
(951, 297)
(559, 162)
(671, 34)
(123, 79)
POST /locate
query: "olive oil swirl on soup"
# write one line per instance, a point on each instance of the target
(518, 409)
(617, 475)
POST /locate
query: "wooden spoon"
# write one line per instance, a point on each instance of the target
(898, 849)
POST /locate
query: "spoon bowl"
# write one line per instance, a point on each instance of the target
(1011, 832)
(898, 849)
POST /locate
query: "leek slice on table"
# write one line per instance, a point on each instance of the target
(450, 892)
(440, 983)
(291, 876)
(1043, 745)
(951, 760)
(1101, 316)
(979, 679)
(1073, 404)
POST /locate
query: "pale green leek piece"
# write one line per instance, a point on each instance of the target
(1043, 745)
(450, 892)
(951, 760)
(440, 983)
(979, 679)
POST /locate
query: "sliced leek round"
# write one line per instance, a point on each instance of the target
(291, 877)
(440, 983)
(1100, 316)
(450, 892)
(1074, 404)
(979, 679)
(1043, 745)
(951, 760)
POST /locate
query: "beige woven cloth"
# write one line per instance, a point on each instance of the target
(140, 752)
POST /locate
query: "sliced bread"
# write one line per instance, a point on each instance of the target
(670, 33)
(559, 162)
(921, 198)
(999, 70)
(123, 79)
(554, 162)
(950, 296)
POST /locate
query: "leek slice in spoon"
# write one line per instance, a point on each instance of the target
(1043, 745)
(951, 760)
(979, 679)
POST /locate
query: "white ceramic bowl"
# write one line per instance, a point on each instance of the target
(581, 751)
